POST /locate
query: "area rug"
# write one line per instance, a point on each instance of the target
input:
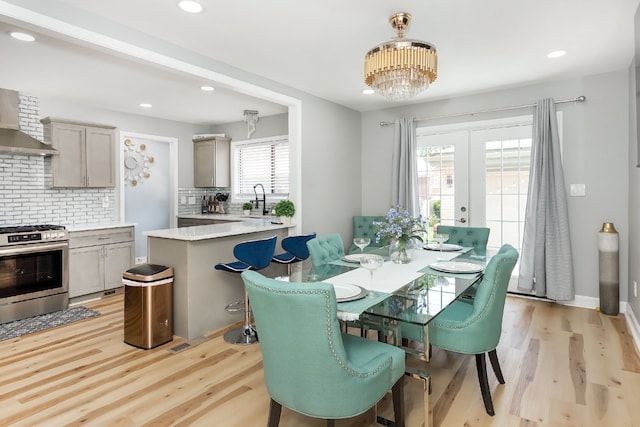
(30, 325)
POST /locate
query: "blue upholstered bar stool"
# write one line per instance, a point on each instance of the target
(251, 255)
(295, 250)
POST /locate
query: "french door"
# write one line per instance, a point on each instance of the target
(477, 174)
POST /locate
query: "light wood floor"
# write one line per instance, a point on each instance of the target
(563, 366)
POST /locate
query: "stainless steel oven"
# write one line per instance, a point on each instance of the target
(34, 276)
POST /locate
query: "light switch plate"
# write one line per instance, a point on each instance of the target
(192, 200)
(577, 190)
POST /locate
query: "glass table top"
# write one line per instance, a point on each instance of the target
(415, 302)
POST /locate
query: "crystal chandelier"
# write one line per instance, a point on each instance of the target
(401, 68)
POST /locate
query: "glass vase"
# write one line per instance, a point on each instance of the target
(401, 251)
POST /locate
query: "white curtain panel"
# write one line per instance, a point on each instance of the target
(546, 263)
(404, 185)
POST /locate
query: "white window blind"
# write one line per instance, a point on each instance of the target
(263, 161)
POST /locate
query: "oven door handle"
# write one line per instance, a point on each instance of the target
(15, 250)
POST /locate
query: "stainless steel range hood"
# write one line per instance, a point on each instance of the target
(12, 140)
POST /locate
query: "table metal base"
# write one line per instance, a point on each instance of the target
(416, 394)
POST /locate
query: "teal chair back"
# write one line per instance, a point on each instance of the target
(325, 249)
(309, 366)
(363, 227)
(476, 328)
(470, 237)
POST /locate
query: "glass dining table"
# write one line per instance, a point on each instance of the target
(407, 298)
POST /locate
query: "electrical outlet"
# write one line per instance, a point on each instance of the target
(105, 202)
(192, 200)
(183, 200)
(635, 289)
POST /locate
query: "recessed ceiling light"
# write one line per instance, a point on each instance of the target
(368, 91)
(207, 88)
(145, 105)
(22, 36)
(556, 54)
(190, 6)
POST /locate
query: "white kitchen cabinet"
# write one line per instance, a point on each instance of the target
(97, 259)
(212, 162)
(86, 153)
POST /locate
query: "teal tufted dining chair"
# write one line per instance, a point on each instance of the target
(363, 227)
(470, 237)
(325, 249)
(476, 328)
(310, 367)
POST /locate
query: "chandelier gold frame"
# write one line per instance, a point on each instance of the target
(401, 68)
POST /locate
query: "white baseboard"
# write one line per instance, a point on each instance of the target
(629, 315)
(582, 301)
(634, 327)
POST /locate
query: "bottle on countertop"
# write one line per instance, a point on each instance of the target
(204, 208)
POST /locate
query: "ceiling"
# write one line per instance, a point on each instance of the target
(317, 47)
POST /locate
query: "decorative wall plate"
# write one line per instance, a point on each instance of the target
(137, 163)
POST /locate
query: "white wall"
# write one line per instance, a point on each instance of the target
(596, 140)
(267, 126)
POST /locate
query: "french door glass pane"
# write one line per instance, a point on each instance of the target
(436, 178)
(506, 185)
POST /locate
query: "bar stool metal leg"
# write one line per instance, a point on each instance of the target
(245, 334)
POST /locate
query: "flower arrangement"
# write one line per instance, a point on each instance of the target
(247, 206)
(400, 228)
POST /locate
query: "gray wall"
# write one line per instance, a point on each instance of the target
(596, 145)
(331, 185)
(634, 197)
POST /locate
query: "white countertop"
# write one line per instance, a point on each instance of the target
(99, 226)
(237, 224)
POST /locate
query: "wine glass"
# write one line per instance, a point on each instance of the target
(371, 262)
(440, 238)
(362, 242)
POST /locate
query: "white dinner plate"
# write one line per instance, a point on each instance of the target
(456, 267)
(446, 247)
(353, 258)
(346, 292)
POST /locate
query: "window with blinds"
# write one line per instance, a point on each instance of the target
(262, 161)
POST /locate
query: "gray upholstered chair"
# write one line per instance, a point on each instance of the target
(310, 367)
(476, 328)
(363, 227)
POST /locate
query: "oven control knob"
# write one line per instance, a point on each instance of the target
(45, 235)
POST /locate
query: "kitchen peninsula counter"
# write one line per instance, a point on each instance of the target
(200, 293)
(225, 225)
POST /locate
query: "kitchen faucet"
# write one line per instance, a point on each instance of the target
(264, 199)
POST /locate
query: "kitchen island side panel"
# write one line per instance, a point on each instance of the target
(201, 292)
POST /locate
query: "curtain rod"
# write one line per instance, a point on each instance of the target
(493, 110)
